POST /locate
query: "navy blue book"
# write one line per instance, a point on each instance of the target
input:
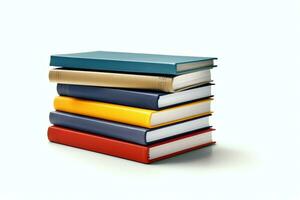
(131, 62)
(126, 132)
(152, 100)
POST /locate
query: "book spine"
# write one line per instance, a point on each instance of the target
(98, 144)
(110, 95)
(100, 127)
(165, 84)
(107, 111)
(114, 80)
(114, 65)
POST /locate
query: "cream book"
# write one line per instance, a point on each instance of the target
(134, 81)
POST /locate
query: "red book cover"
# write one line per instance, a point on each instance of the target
(115, 147)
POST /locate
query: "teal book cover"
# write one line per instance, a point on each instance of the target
(131, 62)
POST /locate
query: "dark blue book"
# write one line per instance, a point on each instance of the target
(126, 132)
(153, 100)
(131, 62)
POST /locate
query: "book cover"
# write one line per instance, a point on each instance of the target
(130, 62)
(134, 81)
(134, 134)
(126, 150)
(134, 98)
(132, 115)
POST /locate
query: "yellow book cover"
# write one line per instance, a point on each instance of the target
(132, 115)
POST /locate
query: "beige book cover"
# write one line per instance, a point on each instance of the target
(107, 79)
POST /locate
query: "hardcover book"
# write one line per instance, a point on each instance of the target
(131, 62)
(134, 134)
(153, 100)
(132, 115)
(135, 81)
(135, 152)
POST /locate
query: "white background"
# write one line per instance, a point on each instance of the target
(256, 107)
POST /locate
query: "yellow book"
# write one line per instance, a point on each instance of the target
(132, 115)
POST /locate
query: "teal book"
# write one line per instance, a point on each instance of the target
(132, 62)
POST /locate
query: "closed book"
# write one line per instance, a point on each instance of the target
(153, 100)
(132, 115)
(134, 81)
(130, 151)
(131, 62)
(134, 134)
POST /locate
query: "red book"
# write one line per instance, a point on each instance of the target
(135, 152)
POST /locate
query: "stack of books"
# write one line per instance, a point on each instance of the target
(141, 107)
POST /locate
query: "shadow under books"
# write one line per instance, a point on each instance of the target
(216, 155)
